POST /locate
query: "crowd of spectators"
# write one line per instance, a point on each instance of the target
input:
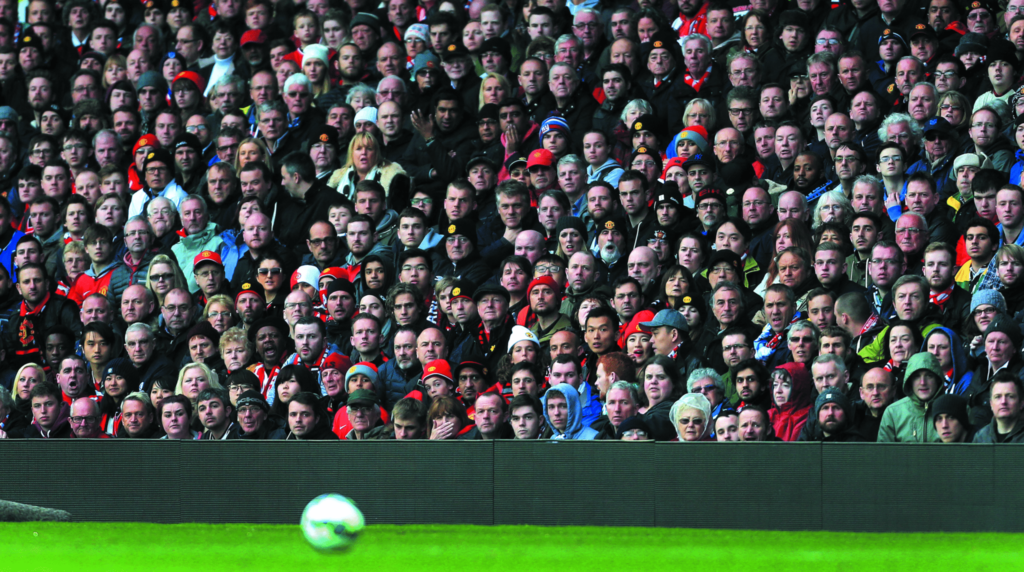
(534, 219)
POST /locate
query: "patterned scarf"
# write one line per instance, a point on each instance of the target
(695, 83)
(870, 323)
(940, 298)
(766, 344)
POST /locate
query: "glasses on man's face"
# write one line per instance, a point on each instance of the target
(704, 388)
(643, 164)
(910, 231)
(294, 305)
(83, 419)
(297, 94)
(180, 309)
(631, 433)
(709, 206)
(549, 269)
(417, 268)
(156, 170)
(196, 128)
(421, 202)
(827, 42)
(737, 111)
(890, 159)
(801, 339)
(269, 271)
(944, 75)
(318, 242)
(207, 274)
(586, 26)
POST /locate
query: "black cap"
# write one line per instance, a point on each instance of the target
(940, 125)
(661, 41)
(669, 195)
(453, 51)
(499, 45)
(252, 397)
(478, 159)
(614, 221)
(632, 423)
(158, 155)
(924, 30)
(273, 321)
(324, 134)
(726, 256)
(710, 193)
(700, 159)
(468, 365)
(29, 39)
(464, 227)
(462, 289)
(340, 285)
(492, 288)
(513, 159)
(650, 152)
(489, 111)
(187, 140)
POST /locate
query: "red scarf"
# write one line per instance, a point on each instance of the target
(696, 83)
(940, 298)
(24, 311)
(872, 321)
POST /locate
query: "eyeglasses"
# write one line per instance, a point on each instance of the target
(81, 420)
(708, 206)
(415, 202)
(293, 305)
(742, 72)
(735, 111)
(734, 347)
(417, 268)
(642, 164)
(269, 271)
(634, 433)
(801, 339)
(553, 268)
(935, 136)
(180, 309)
(155, 170)
(890, 159)
(206, 274)
(704, 388)
(910, 231)
(949, 107)
(891, 261)
(297, 94)
(318, 242)
(391, 92)
(945, 74)
(161, 277)
(196, 128)
(827, 42)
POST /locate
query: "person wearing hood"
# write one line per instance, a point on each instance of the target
(52, 418)
(255, 420)
(1002, 342)
(792, 46)
(564, 415)
(911, 420)
(791, 400)
(950, 417)
(834, 413)
(460, 257)
(1007, 399)
(948, 348)
(307, 421)
(691, 417)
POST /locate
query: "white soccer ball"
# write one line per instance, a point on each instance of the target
(331, 523)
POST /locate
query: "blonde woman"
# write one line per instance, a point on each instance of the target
(253, 149)
(700, 112)
(365, 161)
(314, 67)
(194, 378)
(115, 69)
(163, 276)
(220, 312)
(28, 376)
(493, 89)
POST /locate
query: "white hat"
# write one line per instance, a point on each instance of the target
(520, 334)
(316, 52)
(966, 160)
(308, 275)
(419, 31)
(366, 114)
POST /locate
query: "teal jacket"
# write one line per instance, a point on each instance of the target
(190, 246)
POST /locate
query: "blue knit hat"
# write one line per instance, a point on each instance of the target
(990, 297)
(365, 368)
(556, 123)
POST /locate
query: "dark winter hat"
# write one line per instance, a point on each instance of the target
(990, 297)
(972, 42)
(727, 256)
(645, 122)
(669, 195)
(834, 395)
(1004, 324)
(710, 193)
(700, 159)
(890, 34)
(973, 5)
(158, 156)
(573, 222)
(661, 41)
(499, 45)
(632, 423)
(489, 111)
(270, 321)
(187, 140)
(737, 176)
(794, 18)
(365, 19)
(1002, 50)
(461, 289)
(152, 79)
(492, 288)
(340, 285)
(324, 134)
(203, 329)
(124, 368)
(650, 152)
(464, 227)
(614, 221)
(250, 398)
(952, 405)
(939, 125)
(29, 39)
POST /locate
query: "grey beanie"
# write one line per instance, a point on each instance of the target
(152, 79)
(990, 297)
(8, 113)
(972, 42)
(834, 395)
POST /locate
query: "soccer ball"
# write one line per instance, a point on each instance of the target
(331, 523)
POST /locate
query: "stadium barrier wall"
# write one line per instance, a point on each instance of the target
(771, 486)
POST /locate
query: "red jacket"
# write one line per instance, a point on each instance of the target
(790, 418)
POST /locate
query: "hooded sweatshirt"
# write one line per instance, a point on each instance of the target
(790, 418)
(910, 420)
(574, 429)
(960, 380)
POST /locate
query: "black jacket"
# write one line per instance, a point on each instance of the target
(293, 216)
(272, 428)
(447, 154)
(23, 335)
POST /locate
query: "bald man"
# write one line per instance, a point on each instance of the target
(729, 145)
(642, 265)
(86, 420)
(530, 244)
(793, 204)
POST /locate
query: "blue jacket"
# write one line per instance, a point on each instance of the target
(574, 429)
(233, 249)
(962, 373)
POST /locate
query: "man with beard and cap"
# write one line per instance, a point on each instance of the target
(834, 414)
(270, 338)
(611, 245)
(710, 204)
(543, 317)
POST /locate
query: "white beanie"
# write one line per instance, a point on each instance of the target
(520, 334)
(419, 31)
(316, 52)
(366, 114)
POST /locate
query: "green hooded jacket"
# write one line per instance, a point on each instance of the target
(909, 420)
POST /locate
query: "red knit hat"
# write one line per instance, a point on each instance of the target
(147, 140)
(545, 281)
(194, 78)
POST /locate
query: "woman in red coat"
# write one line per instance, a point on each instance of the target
(791, 400)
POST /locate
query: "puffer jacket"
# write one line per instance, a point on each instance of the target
(127, 275)
(910, 420)
(789, 419)
(186, 250)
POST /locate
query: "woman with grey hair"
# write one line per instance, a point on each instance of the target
(691, 417)
(833, 206)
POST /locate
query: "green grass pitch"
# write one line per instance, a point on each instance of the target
(116, 547)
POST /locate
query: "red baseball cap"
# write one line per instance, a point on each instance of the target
(251, 36)
(335, 360)
(438, 367)
(192, 77)
(207, 256)
(540, 157)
